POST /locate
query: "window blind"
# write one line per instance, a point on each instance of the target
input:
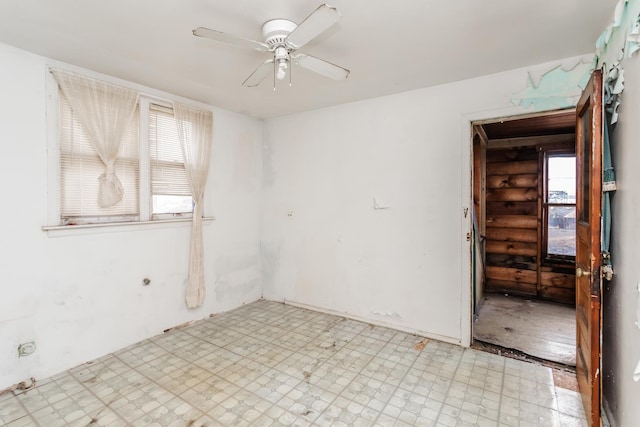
(81, 167)
(169, 182)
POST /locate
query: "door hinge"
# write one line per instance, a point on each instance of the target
(468, 236)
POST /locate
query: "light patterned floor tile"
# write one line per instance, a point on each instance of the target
(270, 364)
(26, 421)
(10, 409)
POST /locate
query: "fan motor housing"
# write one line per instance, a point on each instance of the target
(275, 31)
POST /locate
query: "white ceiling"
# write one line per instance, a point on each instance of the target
(389, 46)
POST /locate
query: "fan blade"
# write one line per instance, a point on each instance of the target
(229, 38)
(313, 25)
(259, 74)
(321, 66)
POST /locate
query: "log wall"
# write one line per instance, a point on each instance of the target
(513, 225)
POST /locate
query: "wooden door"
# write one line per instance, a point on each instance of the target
(588, 258)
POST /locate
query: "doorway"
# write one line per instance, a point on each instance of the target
(524, 196)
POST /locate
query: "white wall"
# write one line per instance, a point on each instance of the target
(405, 263)
(409, 265)
(80, 296)
(621, 298)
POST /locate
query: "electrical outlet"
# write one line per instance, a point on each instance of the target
(27, 348)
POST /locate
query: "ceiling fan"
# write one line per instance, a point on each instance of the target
(283, 38)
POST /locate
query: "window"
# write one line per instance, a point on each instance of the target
(170, 192)
(149, 165)
(560, 206)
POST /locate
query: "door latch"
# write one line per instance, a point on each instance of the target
(582, 273)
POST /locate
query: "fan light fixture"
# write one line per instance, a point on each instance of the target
(281, 63)
(282, 38)
(281, 73)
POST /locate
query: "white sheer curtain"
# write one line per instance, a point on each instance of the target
(105, 112)
(195, 130)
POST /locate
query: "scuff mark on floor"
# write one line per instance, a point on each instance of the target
(180, 326)
(420, 345)
(22, 386)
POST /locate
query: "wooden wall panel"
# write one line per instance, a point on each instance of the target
(512, 274)
(521, 262)
(557, 280)
(513, 225)
(511, 155)
(511, 287)
(563, 295)
(512, 235)
(512, 168)
(479, 182)
(511, 248)
(512, 221)
(512, 208)
(512, 195)
(528, 180)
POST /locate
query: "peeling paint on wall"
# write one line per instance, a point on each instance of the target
(386, 313)
(633, 39)
(622, 36)
(605, 38)
(620, 39)
(613, 87)
(555, 88)
(377, 205)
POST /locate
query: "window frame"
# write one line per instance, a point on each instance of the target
(547, 257)
(148, 96)
(163, 215)
(132, 160)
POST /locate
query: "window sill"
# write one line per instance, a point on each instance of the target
(81, 229)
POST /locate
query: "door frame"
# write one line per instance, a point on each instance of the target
(466, 247)
(466, 207)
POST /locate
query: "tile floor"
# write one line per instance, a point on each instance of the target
(269, 364)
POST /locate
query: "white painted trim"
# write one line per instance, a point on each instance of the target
(466, 141)
(373, 322)
(505, 117)
(466, 197)
(144, 173)
(466, 227)
(82, 229)
(53, 148)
